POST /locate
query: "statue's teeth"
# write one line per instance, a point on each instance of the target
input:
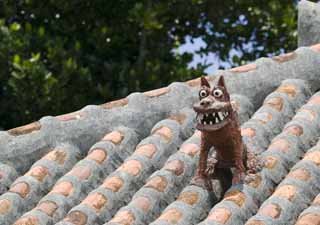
(221, 117)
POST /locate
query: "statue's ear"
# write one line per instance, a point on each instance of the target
(204, 82)
(221, 82)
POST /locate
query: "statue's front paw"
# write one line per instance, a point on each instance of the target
(201, 181)
(211, 163)
(238, 178)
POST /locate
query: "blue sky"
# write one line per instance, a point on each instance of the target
(211, 58)
(192, 48)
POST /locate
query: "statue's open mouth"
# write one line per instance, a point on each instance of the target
(212, 118)
(212, 121)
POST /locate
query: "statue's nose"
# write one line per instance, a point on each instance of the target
(205, 102)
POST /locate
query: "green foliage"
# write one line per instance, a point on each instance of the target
(58, 56)
(253, 28)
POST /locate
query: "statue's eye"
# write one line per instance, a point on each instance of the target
(217, 93)
(203, 93)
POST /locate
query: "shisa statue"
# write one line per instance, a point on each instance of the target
(219, 125)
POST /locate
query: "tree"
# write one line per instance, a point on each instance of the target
(58, 56)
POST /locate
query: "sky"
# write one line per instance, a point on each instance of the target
(192, 48)
(211, 58)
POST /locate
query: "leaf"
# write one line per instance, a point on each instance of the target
(35, 57)
(16, 59)
(41, 31)
(15, 26)
(77, 45)
(75, 49)
(17, 66)
(18, 75)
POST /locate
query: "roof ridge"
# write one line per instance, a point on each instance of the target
(24, 129)
(255, 82)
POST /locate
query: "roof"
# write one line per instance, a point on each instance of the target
(308, 23)
(130, 162)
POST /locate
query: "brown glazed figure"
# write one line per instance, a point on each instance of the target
(220, 129)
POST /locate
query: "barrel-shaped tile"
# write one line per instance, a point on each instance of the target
(103, 158)
(28, 189)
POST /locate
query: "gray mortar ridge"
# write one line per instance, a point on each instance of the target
(9, 174)
(81, 188)
(308, 23)
(36, 188)
(142, 112)
(116, 154)
(132, 183)
(313, 209)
